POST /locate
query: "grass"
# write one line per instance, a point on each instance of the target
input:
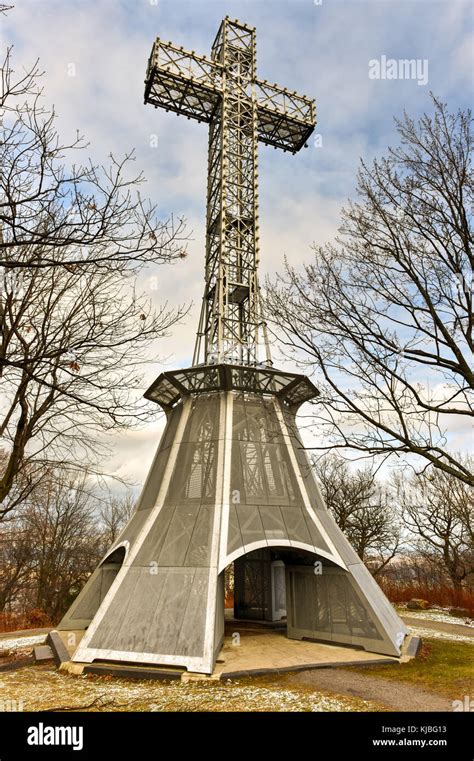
(442, 667)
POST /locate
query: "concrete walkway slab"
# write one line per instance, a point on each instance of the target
(262, 651)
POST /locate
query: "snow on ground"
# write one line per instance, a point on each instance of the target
(20, 643)
(46, 689)
(437, 614)
(421, 631)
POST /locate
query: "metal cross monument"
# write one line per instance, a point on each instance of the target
(230, 484)
(241, 111)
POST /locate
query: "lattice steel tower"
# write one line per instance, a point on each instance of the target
(230, 482)
(241, 110)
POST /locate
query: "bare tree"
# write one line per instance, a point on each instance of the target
(55, 210)
(362, 508)
(61, 524)
(74, 346)
(75, 332)
(384, 316)
(438, 511)
(55, 540)
(16, 556)
(114, 513)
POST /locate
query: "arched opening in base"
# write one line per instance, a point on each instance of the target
(89, 600)
(255, 584)
(301, 594)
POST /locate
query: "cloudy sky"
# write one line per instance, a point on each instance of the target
(321, 48)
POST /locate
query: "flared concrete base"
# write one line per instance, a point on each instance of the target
(230, 486)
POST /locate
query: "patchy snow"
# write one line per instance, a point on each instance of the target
(438, 615)
(45, 689)
(19, 643)
(421, 631)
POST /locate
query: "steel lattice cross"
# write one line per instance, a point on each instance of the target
(241, 110)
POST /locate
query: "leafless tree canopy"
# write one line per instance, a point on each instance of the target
(384, 316)
(362, 508)
(55, 540)
(57, 208)
(438, 512)
(76, 333)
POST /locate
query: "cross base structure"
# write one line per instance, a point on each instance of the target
(230, 484)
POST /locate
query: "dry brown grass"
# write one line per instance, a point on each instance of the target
(444, 596)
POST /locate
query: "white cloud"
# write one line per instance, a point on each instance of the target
(319, 50)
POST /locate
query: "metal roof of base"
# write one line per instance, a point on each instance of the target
(291, 388)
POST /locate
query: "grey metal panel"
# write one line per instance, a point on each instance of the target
(273, 523)
(108, 629)
(296, 526)
(234, 536)
(306, 470)
(384, 611)
(89, 604)
(261, 470)
(86, 603)
(156, 538)
(194, 475)
(170, 612)
(178, 537)
(154, 611)
(199, 549)
(316, 537)
(144, 587)
(191, 636)
(152, 485)
(332, 606)
(251, 526)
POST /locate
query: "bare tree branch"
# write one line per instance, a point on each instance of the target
(384, 317)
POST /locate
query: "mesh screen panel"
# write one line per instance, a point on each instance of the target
(269, 504)
(194, 475)
(329, 602)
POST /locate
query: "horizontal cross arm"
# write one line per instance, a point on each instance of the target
(182, 81)
(284, 118)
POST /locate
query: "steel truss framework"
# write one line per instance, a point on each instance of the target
(241, 111)
(170, 388)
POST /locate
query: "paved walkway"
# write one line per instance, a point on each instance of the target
(396, 696)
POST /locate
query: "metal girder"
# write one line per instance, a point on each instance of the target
(241, 111)
(186, 83)
(183, 82)
(170, 387)
(284, 119)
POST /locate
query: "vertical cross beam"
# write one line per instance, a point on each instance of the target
(241, 111)
(230, 317)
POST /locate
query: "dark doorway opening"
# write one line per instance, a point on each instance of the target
(256, 584)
